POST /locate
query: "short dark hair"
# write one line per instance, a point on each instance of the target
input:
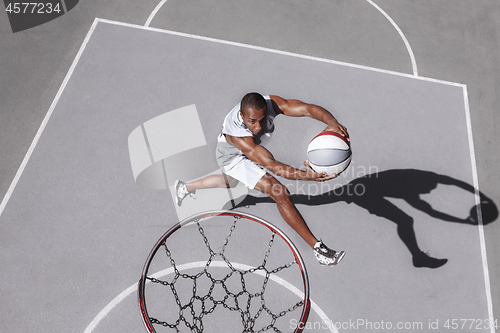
(253, 100)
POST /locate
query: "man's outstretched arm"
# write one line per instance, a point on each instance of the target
(296, 108)
(264, 158)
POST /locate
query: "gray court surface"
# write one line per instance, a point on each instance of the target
(91, 226)
(77, 222)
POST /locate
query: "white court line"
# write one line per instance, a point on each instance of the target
(400, 32)
(297, 55)
(133, 288)
(482, 239)
(64, 6)
(45, 120)
(153, 13)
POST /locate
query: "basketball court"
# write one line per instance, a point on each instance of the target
(141, 107)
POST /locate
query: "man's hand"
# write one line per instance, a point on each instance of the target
(313, 175)
(337, 127)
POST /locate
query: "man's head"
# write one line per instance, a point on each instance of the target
(254, 112)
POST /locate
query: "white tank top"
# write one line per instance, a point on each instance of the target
(233, 125)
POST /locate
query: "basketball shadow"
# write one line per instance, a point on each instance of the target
(371, 192)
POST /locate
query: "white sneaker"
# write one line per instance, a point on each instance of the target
(326, 256)
(181, 192)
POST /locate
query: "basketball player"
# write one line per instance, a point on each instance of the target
(243, 158)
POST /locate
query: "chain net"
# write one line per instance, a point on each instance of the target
(238, 298)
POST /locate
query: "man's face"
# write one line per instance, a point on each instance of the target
(254, 119)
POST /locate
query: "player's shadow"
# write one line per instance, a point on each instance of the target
(371, 192)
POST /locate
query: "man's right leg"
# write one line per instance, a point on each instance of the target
(279, 193)
(182, 190)
(223, 181)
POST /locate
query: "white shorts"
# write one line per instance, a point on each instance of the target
(235, 164)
